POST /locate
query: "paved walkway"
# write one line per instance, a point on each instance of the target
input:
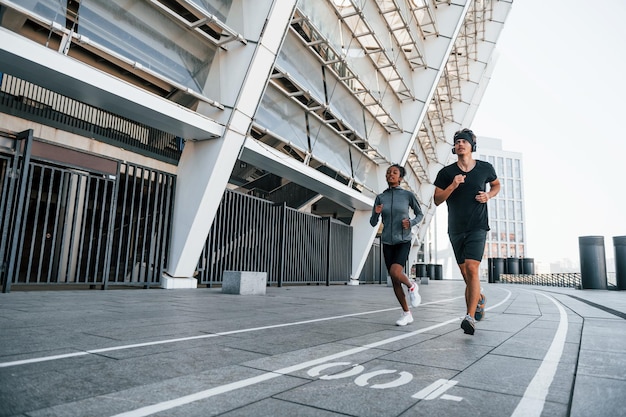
(312, 351)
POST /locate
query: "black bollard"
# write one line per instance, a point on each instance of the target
(592, 262)
(528, 266)
(512, 266)
(498, 268)
(619, 243)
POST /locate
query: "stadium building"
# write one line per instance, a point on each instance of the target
(162, 142)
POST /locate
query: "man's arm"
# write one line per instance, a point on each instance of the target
(442, 195)
(494, 188)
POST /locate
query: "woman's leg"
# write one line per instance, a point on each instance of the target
(397, 279)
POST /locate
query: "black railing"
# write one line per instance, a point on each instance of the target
(68, 226)
(30, 101)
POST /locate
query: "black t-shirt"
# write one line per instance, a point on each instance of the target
(465, 214)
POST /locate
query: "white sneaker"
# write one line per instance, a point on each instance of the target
(405, 318)
(414, 295)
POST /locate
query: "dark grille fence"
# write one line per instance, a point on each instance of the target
(374, 270)
(64, 225)
(251, 234)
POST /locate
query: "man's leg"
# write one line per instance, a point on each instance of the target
(472, 284)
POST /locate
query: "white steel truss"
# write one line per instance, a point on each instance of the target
(353, 17)
(336, 62)
(304, 99)
(449, 89)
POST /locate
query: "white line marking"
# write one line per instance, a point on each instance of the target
(535, 395)
(451, 397)
(355, 370)
(404, 378)
(435, 389)
(187, 399)
(204, 336)
(316, 371)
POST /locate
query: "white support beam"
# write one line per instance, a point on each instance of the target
(205, 168)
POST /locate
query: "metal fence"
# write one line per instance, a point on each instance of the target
(251, 234)
(72, 225)
(572, 280)
(374, 270)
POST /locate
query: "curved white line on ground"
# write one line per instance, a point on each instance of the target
(212, 392)
(535, 395)
(203, 336)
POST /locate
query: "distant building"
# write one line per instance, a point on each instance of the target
(507, 237)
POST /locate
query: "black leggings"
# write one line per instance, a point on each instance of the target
(396, 254)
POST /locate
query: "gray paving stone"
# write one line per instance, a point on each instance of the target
(267, 334)
(503, 374)
(598, 397)
(604, 335)
(474, 403)
(274, 407)
(601, 364)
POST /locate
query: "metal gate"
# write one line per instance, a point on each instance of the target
(70, 225)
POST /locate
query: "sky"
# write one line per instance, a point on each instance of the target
(556, 95)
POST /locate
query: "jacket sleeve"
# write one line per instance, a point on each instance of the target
(415, 205)
(375, 216)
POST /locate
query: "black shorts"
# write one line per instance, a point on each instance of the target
(468, 245)
(396, 254)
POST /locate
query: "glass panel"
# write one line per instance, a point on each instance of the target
(219, 8)
(511, 210)
(302, 67)
(141, 33)
(500, 170)
(365, 170)
(511, 232)
(281, 116)
(494, 231)
(492, 209)
(520, 232)
(502, 209)
(509, 188)
(54, 10)
(346, 107)
(509, 167)
(502, 231)
(518, 210)
(328, 147)
(518, 189)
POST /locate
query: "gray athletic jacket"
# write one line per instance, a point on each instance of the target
(396, 202)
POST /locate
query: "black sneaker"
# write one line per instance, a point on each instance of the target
(480, 308)
(468, 324)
